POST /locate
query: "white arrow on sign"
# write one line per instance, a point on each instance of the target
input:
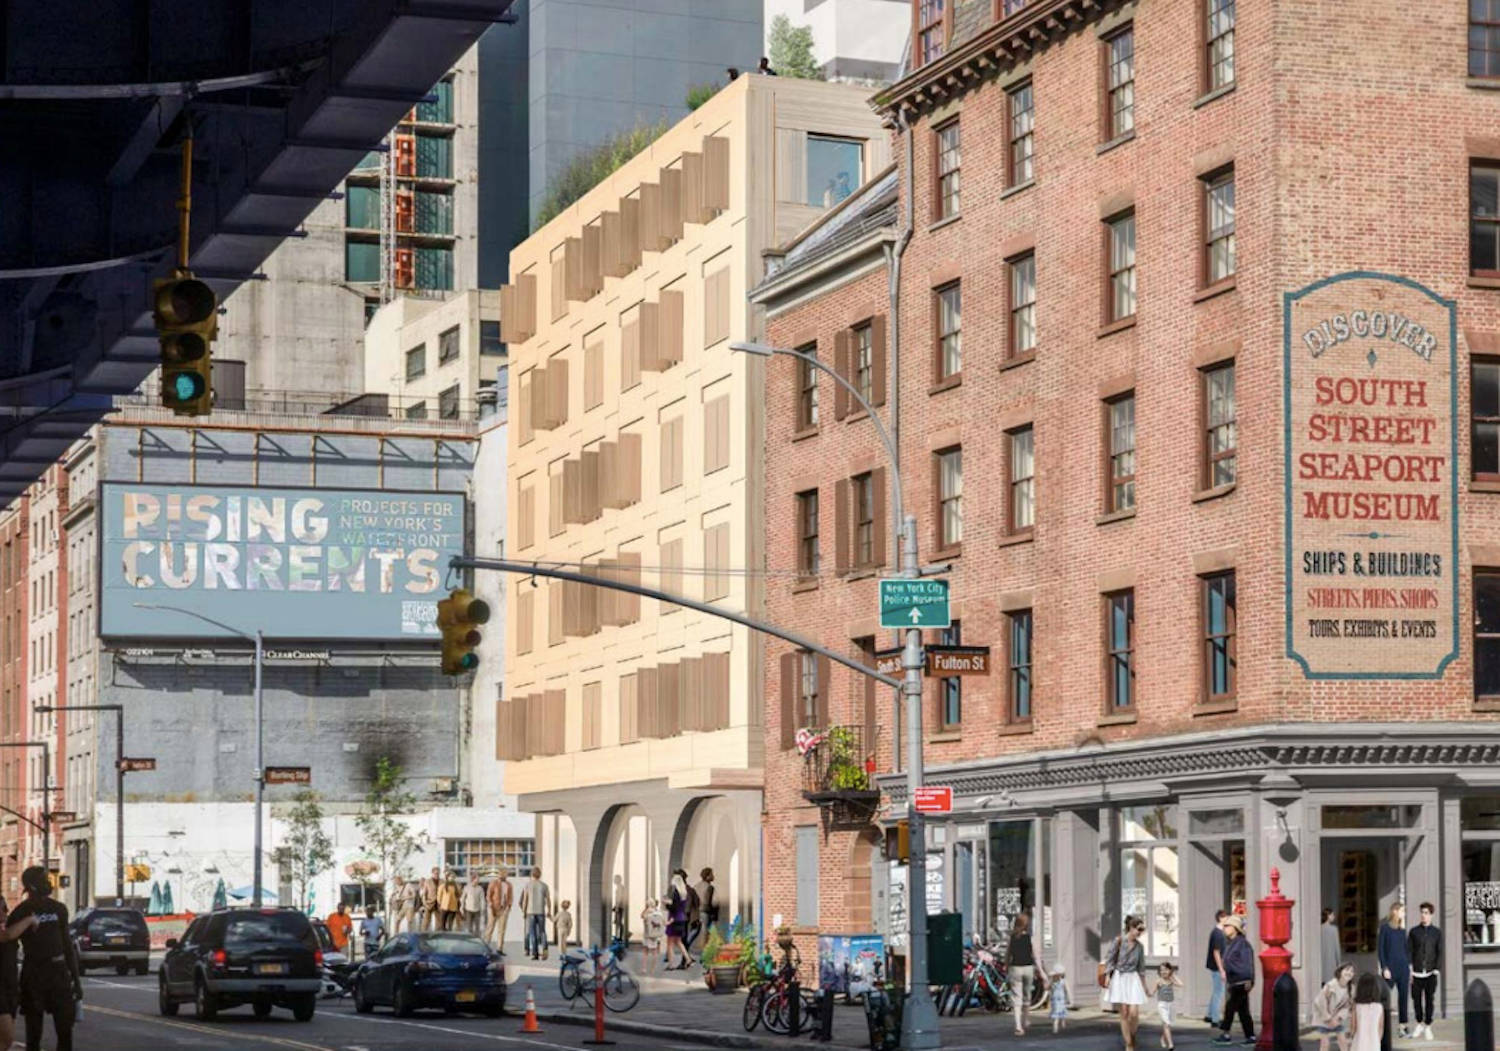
(915, 615)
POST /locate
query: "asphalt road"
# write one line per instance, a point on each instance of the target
(120, 1014)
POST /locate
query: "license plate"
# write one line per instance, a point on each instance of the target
(465, 997)
(270, 968)
(118, 941)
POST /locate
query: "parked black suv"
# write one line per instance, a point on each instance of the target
(262, 957)
(112, 937)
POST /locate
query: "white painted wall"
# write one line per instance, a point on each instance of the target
(486, 777)
(857, 30)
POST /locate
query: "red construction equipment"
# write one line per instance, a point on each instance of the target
(528, 1024)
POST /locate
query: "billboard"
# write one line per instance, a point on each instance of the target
(294, 563)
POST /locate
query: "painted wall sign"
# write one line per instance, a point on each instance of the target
(1371, 438)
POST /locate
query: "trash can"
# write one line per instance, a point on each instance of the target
(945, 948)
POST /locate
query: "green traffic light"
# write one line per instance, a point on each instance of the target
(186, 386)
(468, 662)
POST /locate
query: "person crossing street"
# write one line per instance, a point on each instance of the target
(49, 974)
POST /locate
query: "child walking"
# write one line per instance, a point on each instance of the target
(1059, 985)
(1367, 1022)
(1167, 984)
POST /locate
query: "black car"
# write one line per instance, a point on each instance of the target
(112, 937)
(457, 972)
(263, 957)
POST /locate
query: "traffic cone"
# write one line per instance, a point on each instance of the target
(528, 1024)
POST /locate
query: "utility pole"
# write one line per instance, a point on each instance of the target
(119, 711)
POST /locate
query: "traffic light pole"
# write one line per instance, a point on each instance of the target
(119, 711)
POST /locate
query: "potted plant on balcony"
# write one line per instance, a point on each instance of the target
(846, 768)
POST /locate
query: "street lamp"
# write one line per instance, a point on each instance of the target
(46, 804)
(119, 711)
(260, 725)
(919, 1020)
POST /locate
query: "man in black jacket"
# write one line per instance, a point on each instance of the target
(1424, 944)
(49, 973)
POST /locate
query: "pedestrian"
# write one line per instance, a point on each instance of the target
(406, 906)
(1215, 966)
(1424, 947)
(1330, 1009)
(653, 929)
(1367, 1020)
(536, 903)
(1328, 933)
(764, 69)
(427, 898)
(498, 896)
(734, 74)
(10, 985)
(1020, 968)
(694, 913)
(448, 902)
(1395, 962)
(1059, 1012)
(49, 976)
(372, 933)
(339, 926)
(677, 921)
(1167, 984)
(1239, 979)
(708, 902)
(1123, 968)
(471, 905)
(562, 924)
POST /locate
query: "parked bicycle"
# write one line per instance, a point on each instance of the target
(762, 975)
(776, 1008)
(580, 976)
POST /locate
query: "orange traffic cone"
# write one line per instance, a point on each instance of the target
(528, 1024)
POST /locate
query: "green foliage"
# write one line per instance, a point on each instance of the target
(698, 94)
(308, 847)
(387, 836)
(846, 769)
(791, 50)
(711, 945)
(591, 167)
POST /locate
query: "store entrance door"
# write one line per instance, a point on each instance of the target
(1361, 880)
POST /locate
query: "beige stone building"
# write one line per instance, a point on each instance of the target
(633, 730)
(433, 358)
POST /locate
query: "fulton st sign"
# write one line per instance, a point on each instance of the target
(1371, 410)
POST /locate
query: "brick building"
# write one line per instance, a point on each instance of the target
(1197, 381)
(14, 558)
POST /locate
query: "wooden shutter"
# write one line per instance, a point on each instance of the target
(629, 709)
(671, 204)
(573, 492)
(537, 401)
(593, 703)
(789, 700)
(716, 307)
(716, 691)
(526, 516)
(825, 691)
(503, 747)
(556, 707)
(518, 309)
(574, 283)
(556, 500)
(716, 174)
(843, 525)
(669, 328)
(690, 695)
(630, 468)
(557, 285)
(878, 504)
(671, 571)
(525, 618)
(651, 224)
(630, 233)
(611, 257)
(525, 384)
(650, 337)
(555, 628)
(630, 352)
(557, 392)
(592, 502)
(593, 374)
(693, 210)
(671, 453)
(629, 605)
(646, 693)
(716, 434)
(841, 366)
(591, 260)
(877, 360)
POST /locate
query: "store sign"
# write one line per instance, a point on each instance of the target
(1371, 420)
(933, 799)
(958, 660)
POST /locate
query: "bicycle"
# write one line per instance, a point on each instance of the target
(580, 976)
(776, 1009)
(764, 974)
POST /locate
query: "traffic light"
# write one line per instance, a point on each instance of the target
(459, 617)
(187, 320)
(898, 842)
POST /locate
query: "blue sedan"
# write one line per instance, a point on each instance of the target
(457, 972)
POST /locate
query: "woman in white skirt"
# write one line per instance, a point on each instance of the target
(1124, 965)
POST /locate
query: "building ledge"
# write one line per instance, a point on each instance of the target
(1219, 707)
(1216, 93)
(1121, 719)
(1218, 288)
(1204, 495)
(1115, 516)
(1017, 538)
(1015, 729)
(1020, 187)
(1117, 326)
(947, 220)
(716, 777)
(1015, 361)
(1479, 281)
(948, 383)
(1484, 485)
(1118, 140)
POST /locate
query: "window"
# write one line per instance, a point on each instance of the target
(1218, 227)
(490, 343)
(1150, 875)
(448, 403)
(1022, 304)
(807, 390)
(833, 169)
(1121, 247)
(1487, 636)
(417, 411)
(950, 357)
(1020, 481)
(807, 689)
(1218, 415)
(486, 857)
(1219, 617)
(1018, 655)
(716, 562)
(950, 492)
(864, 361)
(807, 534)
(416, 361)
(1484, 220)
(951, 688)
(716, 434)
(448, 346)
(931, 32)
(1120, 83)
(671, 574)
(671, 453)
(1119, 639)
(1484, 38)
(1022, 125)
(1121, 416)
(864, 519)
(593, 373)
(1484, 400)
(808, 872)
(947, 170)
(715, 310)
(1220, 41)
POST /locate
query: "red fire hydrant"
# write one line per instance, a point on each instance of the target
(1275, 931)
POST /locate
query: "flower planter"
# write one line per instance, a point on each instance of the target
(724, 978)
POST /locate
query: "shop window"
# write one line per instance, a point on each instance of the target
(1149, 875)
(1487, 636)
(1012, 874)
(486, 857)
(1480, 822)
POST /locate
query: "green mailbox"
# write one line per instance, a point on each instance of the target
(945, 948)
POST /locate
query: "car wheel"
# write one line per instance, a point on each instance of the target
(262, 1008)
(164, 1002)
(304, 1007)
(122, 969)
(403, 1001)
(143, 968)
(493, 1010)
(205, 1003)
(361, 1004)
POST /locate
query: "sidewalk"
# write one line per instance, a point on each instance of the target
(683, 1010)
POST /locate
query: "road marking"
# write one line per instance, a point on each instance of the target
(474, 1033)
(211, 1031)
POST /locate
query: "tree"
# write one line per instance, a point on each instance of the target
(309, 851)
(388, 839)
(591, 167)
(791, 50)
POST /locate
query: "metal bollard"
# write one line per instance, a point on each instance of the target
(824, 1029)
(794, 1008)
(1284, 1014)
(1479, 1018)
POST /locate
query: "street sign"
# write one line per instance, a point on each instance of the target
(134, 766)
(888, 662)
(288, 775)
(914, 603)
(934, 799)
(958, 660)
(63, 817)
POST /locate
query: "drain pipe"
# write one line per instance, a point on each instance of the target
(893, 254)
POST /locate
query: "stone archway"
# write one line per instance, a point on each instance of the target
(626, 867)
(858, 885)
(712, 833)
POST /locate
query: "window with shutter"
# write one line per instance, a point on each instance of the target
(671, 204)
(525, 617)
(556, 631)
(557, 283)
(525, 383)
(593, 712)
(716, 561)
(671, 453)
(671, 573)
(716, 174)
(669, 328)
(593, 371)
(630, 348)
(716, 434)
(716, 306)
(526, 513)
(556, 498)
(629, 732)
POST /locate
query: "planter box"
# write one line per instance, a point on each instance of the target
(726, 978)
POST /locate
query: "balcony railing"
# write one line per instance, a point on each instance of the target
(837, 765)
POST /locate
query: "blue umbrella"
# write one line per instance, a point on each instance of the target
(221, 895)
(153, 908)
(166, 899)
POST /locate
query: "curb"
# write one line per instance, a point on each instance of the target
(624, 1025)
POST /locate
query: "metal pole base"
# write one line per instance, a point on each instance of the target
(919, 1022)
